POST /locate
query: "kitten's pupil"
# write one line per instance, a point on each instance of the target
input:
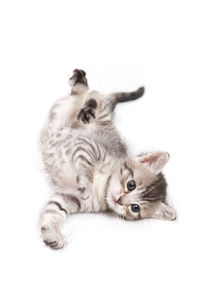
(135, 208)
(131, 185)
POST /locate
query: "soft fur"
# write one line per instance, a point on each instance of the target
(89, 164)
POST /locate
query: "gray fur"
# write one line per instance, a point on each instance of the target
(89, 166)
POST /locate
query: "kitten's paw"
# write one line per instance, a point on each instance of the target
(52, 238)
(86, 114)
(84, 193)
(78, 76)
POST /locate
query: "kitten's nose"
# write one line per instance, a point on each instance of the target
(119, 200)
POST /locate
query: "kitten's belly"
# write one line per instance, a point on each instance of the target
(65, 178)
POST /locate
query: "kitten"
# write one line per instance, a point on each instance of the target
(89, 165)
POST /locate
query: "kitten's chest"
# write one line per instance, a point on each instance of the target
(100, 184)
(99, 188)
(96, 201)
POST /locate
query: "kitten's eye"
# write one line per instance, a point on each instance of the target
(131, 185)
(135, 208)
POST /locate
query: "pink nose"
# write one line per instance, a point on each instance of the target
(119, 200)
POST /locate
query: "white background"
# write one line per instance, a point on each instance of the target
(121, 45)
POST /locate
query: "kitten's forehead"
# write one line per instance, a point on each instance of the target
(156, 191)
(131, 169)
(143, 175)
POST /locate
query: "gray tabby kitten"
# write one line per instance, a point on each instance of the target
(89, 165)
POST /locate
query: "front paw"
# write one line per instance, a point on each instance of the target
(84, 193)
(86, 114)
(52, 239)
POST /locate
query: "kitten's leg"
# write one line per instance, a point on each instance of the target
(54, 216)
(85, 156)
(64, 112)
(88, 112)
(101, 109)
(78, 82)
(85, 166)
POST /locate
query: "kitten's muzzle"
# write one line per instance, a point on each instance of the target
(119, 201)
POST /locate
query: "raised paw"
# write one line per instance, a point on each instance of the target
(86, 114)
(78, 76)
(52, 239)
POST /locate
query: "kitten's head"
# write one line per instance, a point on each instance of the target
(138, 188)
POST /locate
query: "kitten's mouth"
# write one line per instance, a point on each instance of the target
(117, 207)
(115, 201)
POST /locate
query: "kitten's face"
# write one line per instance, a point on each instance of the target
(138, 189)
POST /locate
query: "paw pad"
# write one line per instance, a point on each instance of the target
(86, 114)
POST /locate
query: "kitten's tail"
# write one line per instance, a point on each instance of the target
(131, 96)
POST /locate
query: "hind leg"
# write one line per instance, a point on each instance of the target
(64, 112)
(88, 112)
(78, 82)
(101, 107)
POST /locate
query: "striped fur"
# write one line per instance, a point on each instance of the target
(88, 163)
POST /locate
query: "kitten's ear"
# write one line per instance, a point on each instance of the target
(163, 211)
(155, 161)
